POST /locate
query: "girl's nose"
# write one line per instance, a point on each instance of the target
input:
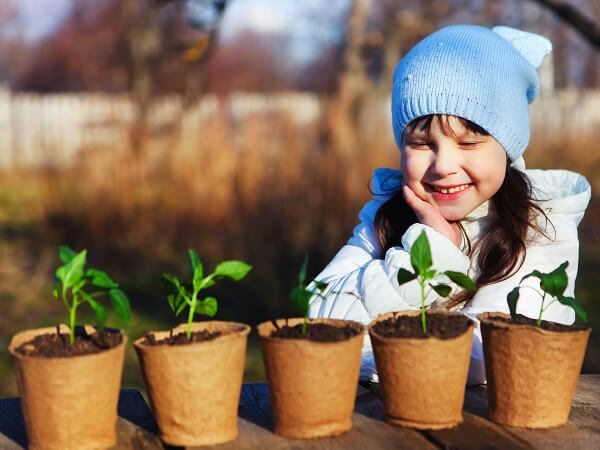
(445, 162)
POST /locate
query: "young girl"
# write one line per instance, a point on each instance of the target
(460, 115)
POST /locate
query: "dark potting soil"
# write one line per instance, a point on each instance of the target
(182, 339)
(546, 325)
(441, 326)
(53, 345)
(320, 332)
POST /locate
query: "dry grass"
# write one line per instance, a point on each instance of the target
(265, 190)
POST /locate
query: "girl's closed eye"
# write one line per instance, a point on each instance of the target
(469, 144)
(419, 144)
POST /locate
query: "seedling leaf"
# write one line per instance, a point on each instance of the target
(421, 261)
(404, 276)
(512, 298)
(235, 270)
(181, 304)
(302, 272)
(60, 274)
(171, 279)
(300, 298)
(208, 307)
(570, 301)
(100, 279)
(120, 304)
(461, 279)
(197, 269)
(73, 270)
(171, 301)
(320, 285)
(555, 282)
(99, 311)
(428, 274)
(186, 295)
(66, 254)
(535, 273)
(420, 254)
(443, 290)
(71, 280)
(194, 260)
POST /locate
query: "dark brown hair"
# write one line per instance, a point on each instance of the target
(502, 246)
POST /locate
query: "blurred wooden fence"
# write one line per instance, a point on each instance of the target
(52, 129)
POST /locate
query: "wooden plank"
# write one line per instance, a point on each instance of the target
(256, 424)
(136, 428)
(131, 436)
(135, 425)
(12, 428)
(366, 433)
(477, 433)
(582, 431)
(586, 403)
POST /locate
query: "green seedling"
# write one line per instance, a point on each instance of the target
(301, 294)
(420, 259)
(552, 284)
(186, 296)
(71, 279)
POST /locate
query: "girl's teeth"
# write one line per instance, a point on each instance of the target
(462, 187)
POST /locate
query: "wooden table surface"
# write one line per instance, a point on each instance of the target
(137, 429)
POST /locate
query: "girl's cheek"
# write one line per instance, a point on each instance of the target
(413, 165)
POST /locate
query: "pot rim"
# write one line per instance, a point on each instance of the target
(488, 318)
(416, 312)
(62, 327)
(139, 342)
(267, 326)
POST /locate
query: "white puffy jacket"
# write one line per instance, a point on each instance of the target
(362, 280)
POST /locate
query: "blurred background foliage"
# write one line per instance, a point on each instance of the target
(244, 129)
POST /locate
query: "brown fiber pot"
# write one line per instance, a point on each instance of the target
(195, 388)
(531, 372)
(422, 381)
(68, 402)
(312, 384)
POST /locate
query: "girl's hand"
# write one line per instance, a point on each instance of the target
(428, 214)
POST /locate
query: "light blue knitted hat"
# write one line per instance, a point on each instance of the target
(487, 76)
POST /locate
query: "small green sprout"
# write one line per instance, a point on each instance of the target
(187, 296)
(72, 277)
(420, 259)
(301, 294)
(552, 284)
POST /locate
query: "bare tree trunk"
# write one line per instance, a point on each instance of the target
(143, 36)
(353, 83)
(586, 27)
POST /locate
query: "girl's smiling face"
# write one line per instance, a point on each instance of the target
(453, 167)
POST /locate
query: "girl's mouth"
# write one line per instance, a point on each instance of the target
(449, 194)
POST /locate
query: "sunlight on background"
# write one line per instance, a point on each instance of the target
(245, 129)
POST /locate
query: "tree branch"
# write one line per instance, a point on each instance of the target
(586, 27)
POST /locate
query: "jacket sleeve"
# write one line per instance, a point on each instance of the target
(544, 255)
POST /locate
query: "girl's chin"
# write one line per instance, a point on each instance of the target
(452, 215)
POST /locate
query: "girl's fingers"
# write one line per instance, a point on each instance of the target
(419, 206)
(428, 214)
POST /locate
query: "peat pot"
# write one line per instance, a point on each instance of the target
(423, 379)
(312, 383)
(531, 372)
(69, 402)
(195, 387)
